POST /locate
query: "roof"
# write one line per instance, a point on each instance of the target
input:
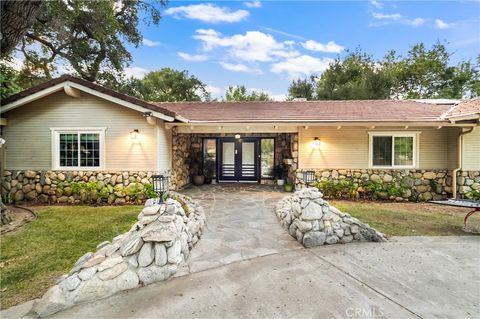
(309, 111)
(463, 109)
(90, 85)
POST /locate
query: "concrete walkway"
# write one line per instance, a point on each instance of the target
(408, 277)
(241, 225)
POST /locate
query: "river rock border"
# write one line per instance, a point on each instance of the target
(151, 251)
(426, 184)
(313, 222)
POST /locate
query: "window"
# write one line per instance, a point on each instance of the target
(210, 157)
(393, 150)
(267, 157)
(76, 149)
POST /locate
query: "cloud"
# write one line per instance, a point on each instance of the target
(253, 46)
(136, 72)
(207, 12)
(440, 24)
(214, 90)
(330, 47)
(192, 57)
(415, 22)
(301, 66)
(253, 4)
(238, 67)
(291, 35)
(376, 4)
(150, 43)
(383, 16)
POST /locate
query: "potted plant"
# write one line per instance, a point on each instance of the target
(288, 187)
(197, 173)
(209, 171)
(278, 172)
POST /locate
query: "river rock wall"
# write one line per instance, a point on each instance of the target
(151, 251)
(313, 222)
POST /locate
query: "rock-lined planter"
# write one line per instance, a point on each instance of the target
(419, 184)
(151, 251)
(313, 222)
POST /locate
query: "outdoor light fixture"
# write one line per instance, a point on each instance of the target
(134, 134)
(237, 136)
(160, 185)
(309, 177)
(316, 142)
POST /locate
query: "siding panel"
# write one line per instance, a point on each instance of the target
(348, 147)
(471, 151)
(28, 132)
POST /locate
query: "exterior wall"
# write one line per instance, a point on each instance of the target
(188, 147)
(28, 135)
(348, 147)
(419, 184)
(471, 151)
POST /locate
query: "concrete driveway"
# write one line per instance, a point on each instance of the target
(408, 277)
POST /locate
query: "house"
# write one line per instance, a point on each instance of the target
(69, 129)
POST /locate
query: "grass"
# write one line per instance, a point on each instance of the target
(32, 257)
(409, 219)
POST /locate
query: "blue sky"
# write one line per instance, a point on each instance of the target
(264, 45)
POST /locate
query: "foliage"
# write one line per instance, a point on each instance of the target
(38, 253)
(164, 85)
(356, 76)
(8, 80)
(303, 88)
(422, 73)
(239, 93)
(88, 36)
(350, 189)
(473, 194)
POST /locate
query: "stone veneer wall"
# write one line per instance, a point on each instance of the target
(58, 186)
(428, 184)
(188, 147)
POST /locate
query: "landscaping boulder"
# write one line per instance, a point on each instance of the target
(151, 251)
(313, 222)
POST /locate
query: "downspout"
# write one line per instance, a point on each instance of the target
(459, 160)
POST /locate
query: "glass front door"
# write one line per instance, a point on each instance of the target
(239, 160)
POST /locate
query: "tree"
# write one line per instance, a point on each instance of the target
(16, 17)
(165, 85)
(88, 36)
(303, 88)
(355, 77)
(239, 93)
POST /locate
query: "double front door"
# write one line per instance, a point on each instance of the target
(239, 159)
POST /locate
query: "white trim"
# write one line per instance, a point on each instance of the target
(393, 134)
(63, 85)
(55, 135)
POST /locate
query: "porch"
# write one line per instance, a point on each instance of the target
(248, 157)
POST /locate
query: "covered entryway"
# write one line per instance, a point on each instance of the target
(239, 159)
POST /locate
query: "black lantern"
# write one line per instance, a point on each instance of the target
(309, 177)
(160, 185)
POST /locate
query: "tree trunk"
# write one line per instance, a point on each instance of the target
(16, 17)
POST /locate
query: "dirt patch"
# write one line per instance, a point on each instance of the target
(20, 216)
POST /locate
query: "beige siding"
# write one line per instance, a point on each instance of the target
(28, 133)
(471, 151)
(348, 147)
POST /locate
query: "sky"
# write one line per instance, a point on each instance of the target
(265, 44)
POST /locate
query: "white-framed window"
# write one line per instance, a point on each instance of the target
(78, 148)
(393, 149)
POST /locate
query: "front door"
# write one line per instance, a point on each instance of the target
(238, 160)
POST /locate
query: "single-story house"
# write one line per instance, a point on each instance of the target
(69, 129)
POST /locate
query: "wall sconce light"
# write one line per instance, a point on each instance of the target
(316, 142)
(237, 136)
(134, 134)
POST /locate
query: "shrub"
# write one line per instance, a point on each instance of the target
(474, 194)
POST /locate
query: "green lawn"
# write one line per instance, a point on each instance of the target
(34, 256)
(409, 219)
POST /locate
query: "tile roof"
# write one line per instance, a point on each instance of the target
(468, 107)
(89, 85)
(309, 111)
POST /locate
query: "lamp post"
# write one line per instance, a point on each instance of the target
(309, 177)
(160, 185)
